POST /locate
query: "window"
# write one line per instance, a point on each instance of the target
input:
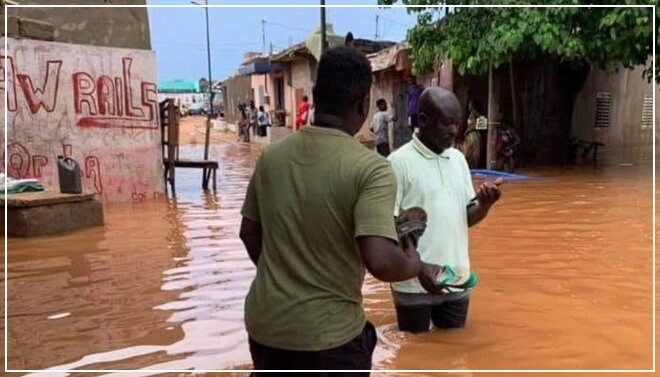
(647, 112)
(603, 109)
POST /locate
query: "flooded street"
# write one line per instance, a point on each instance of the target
(565, 265)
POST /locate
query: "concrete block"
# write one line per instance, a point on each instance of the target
(12, 27)
(34, 29)
(53, 219)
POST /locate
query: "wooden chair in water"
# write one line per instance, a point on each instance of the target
(169, 120)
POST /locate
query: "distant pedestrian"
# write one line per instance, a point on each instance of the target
(349, 41)
(506, 143)
(302, 115)
(263, 121)
(414, 91)
(380, 127)
(471, 146)
(244, 123)
(253, 113)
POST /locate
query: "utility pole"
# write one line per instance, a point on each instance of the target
(376, 35)
(493, 110)
(324, 41)
(263, 36)
(210, 113)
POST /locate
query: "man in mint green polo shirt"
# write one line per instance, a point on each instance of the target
(434, 176)
(318, 210)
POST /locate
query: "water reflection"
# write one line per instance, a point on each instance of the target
(565, 266)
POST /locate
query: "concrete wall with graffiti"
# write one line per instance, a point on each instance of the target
(98, 105)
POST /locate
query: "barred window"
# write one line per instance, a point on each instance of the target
(603, 109)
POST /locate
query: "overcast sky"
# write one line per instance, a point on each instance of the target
(178, 35)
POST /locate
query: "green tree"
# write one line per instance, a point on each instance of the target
(476, 39)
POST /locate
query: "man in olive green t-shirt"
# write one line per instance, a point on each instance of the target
(317, 212)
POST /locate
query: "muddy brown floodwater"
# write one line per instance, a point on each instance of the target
(565, 265)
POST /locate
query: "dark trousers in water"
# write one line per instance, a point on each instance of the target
(448, 315)
(415, 311)
(354, 355)
(383, 149)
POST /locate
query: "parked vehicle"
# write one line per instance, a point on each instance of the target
(196, 108)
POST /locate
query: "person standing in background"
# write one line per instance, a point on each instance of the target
(302, 115)
(263, 121)
(471, 146)
(349, 41)
(252, 117)
(414, 91)
(380, 128)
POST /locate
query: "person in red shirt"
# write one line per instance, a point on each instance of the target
(303, 113)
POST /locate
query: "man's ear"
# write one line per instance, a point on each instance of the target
(364, 106)
(423, 119)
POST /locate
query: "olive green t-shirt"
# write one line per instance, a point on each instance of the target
(314, 192)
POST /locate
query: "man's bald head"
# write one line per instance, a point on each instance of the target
(441, 102)
(439, 116)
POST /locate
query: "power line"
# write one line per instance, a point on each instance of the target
(287, 26)
(396, 22)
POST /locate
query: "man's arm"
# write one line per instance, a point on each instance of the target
(488, 194)
(388, 262)
(251, 235)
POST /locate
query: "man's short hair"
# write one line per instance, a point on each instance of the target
(305, 98)
(343, 77)
(381, 101)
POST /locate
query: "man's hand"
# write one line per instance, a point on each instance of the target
(489, 193)
(427, 278)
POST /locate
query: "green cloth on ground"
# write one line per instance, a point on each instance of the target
(314, 192)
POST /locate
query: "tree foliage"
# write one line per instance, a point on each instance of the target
(478, 38)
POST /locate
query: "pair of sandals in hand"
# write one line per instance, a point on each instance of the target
(412, 224)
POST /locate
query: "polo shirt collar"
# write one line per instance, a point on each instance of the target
(327, 131)
(426, 152)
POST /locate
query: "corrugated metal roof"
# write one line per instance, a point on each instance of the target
(396, 56)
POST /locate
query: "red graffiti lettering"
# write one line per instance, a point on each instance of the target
(106, 90)
(18, 163)
(112, 122)
(131, 110)
(117, 105)
(93, 171)
(83, 93)
(10, 86)
(119, 96)
(46, 95)
(138, 196)
(150, 98)
(38, 162)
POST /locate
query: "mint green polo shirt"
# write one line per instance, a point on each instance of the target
(442, 186)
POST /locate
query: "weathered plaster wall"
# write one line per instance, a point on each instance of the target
(626, 141)
(96, 104)
(110, 27)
